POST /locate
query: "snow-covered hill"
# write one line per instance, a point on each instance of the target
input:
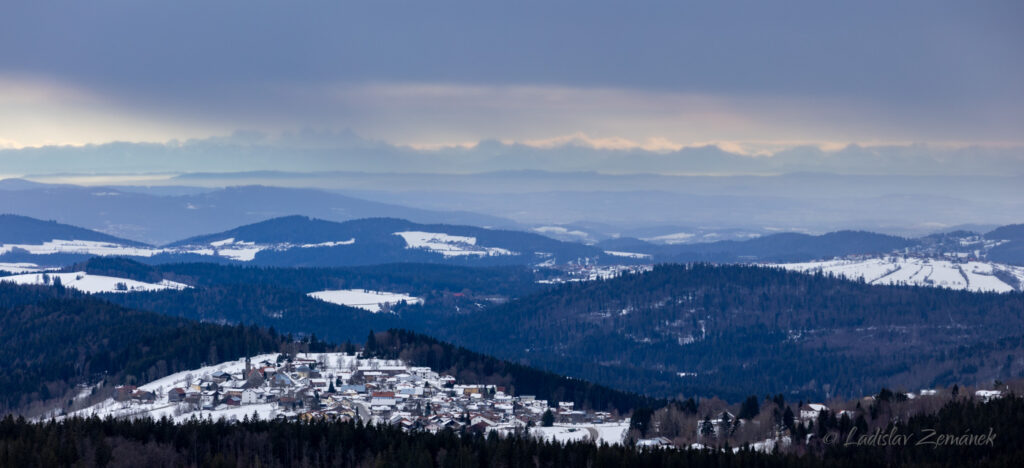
(22, 267)
(969, 275)
(85, 282)
(363, 298)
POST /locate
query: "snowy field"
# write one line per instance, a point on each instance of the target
(972, 276)
(605, 433)
(329, 244)
(558, 231)
(236, 250)
(242, 251)
(672, 239)
(245, 251)
(364, 298)
(85, 282)
(449, 246)
(627, 254)
(81, 247)
(23, 267)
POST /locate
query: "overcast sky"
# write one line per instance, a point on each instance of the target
(751, 77)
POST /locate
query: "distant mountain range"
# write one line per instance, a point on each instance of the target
(304, 241)
(162, 216)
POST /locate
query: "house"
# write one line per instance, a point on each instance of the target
(289, 402)
(351, 389)
(811, 411)
(988, 395)
(480, 419)
(318, 384)
(709, 426)
(281, 380)
(254, 379)
(250, 396)
(383, 399)
(124, 392)
(657, 442)
(144, 396)
(176, 394)
(193, 397)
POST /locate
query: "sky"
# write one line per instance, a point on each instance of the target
(751, 78)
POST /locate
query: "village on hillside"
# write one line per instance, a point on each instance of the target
(347, 387)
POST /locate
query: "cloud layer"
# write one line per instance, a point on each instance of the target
(321, 151)
(750, 76)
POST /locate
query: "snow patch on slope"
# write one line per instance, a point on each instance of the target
(87, 283)
(23, 267)
(448, 245)
(81, 247)
(364, 298)
(599, 433)
(671, 239)
(562, 233)
(892, 270)
(329, 244)
(243, 251)
(615, 253)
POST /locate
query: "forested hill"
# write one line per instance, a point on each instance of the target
(736, 330)
(469, 366)
(379, 240)
(16, 229)
(781, 247)
(52, 339)
(420, 279)
(277, 297)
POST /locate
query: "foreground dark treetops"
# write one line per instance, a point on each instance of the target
(95, 442)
